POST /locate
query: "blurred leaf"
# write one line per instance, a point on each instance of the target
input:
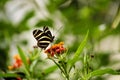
(24, 42)
(50, 69)
(23, 57)
(8, 75)
(47, 22)
(98, 62)
(54, 5)
(116, 22)
(102, 72)
(65, 3)
(27, 16)
(85, 13)
(100, 4)
(42, 73)
(2, 3)
(3, 59)
(79, 51)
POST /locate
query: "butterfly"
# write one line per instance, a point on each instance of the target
(44, 38)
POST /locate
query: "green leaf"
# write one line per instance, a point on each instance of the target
(116, 20)
(47, 22)
(50, 69)
(46, 72)
(23, 57)
(79, 51)
(8, 75)
(27, 16)
(102, 72)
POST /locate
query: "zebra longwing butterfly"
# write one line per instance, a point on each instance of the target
(44, 38)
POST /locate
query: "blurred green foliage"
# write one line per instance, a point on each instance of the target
(77, 16)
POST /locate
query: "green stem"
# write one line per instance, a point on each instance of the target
(58, 65)
(27, 73)
(62, 68)
(63, 65)
(37, 55)
(66, 73)
(85, 62)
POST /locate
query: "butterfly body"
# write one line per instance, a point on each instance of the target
(44, 38)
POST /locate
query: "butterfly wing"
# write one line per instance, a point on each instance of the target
(48, 33)
(43, 44)
(44, 41)
(37, 34)
(44, 38)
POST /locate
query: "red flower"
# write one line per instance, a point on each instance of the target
(17, 63)
(56, 49)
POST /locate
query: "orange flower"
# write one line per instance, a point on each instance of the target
(17, 63)
(10, 67)
(56, 49)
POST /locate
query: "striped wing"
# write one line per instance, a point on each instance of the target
(40, 37)
(44, 37)
(44, 41)
(43, 44)
(48, 33)
(38, 34)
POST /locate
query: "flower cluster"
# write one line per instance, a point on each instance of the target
(17, 63)
(56, 49)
